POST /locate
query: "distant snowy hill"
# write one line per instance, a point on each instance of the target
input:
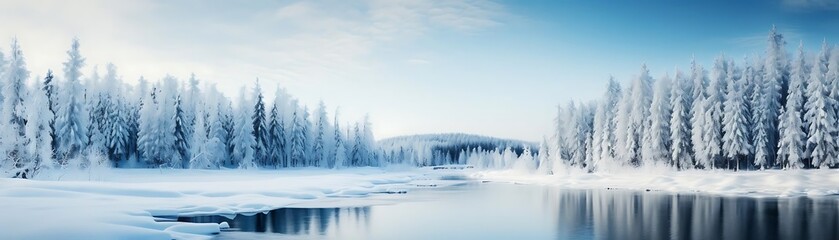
(447, 148)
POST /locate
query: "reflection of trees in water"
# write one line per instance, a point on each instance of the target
(297, 221)
(620, 214)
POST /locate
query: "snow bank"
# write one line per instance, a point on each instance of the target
(776, 183)
(121, 203)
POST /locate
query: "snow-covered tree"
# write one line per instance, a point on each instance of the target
(775, 80)
(118, 132)
(622, 127)
(791, 125)
(736, 125)
(697, 113)
(180, 134)
(50, 90)
(298, 138)
(319, 152)
(201, 154)
(545, 156)
(819, 115)
(639, 112)
(70, 130)
(277, 137)
(38, 120)
(260, 127)
(680, 147)
(657, 138)
(357, 152)
(13, 139)
(581, 132)
(603, 132)
(832, 77)
(243, 138)
(712, 126)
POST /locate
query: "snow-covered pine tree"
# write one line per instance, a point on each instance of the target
(13, 139)
(819, 116)
(147, 130)
(791, 126)
(181, 146)
(97, 144)
(340, 155)
(243, 139)
(760, 135)
(138, 96)
(277, 138)
(260, 127)
(340, 149)
(680, 146)
(832, 77)
(200, 154)
(712, 126)
(308, 140)
(545, 157)
(568, 134)
(38, 120)
(70, 130)
(697, 113)
(298, 137)
(228, 124)
(606, 138)
(49, 89)
(657, 138)
(191, 103)
(622, 123)
(775, 79)
(118, 132)
(319, 146)
(579, 132)
(598, 130)
(369, 140)
(736, 120)
(217, 136)
(357, 153)
(641, 99)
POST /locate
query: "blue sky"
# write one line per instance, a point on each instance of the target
(487, 67)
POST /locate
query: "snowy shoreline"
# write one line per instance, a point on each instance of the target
(769, 183)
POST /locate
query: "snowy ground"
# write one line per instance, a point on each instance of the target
(769, 183)
(120, 203)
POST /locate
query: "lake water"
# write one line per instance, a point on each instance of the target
(510, 211)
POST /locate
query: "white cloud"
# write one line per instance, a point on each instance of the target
(312, 47)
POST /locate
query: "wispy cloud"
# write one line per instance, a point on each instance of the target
(759, 39)
(299, 42)
(811, 4)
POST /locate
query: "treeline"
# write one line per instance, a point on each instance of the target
(84, 120)
(454, 148)
(765, 112)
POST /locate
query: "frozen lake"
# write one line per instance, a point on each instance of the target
(512, 211)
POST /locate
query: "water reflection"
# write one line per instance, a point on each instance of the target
(503, 211)
(618, 214)
(296, 221)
